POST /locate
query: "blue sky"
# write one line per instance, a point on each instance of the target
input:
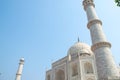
(42, 31)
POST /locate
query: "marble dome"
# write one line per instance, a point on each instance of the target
(80, 48)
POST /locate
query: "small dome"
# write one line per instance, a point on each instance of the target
(80, 48)
(22, 59)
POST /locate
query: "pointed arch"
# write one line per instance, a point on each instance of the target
(60, 75)
(48, 77)
(74, 69)
(88, 68)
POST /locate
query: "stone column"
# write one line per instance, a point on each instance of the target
(106, 66)
(19, 72)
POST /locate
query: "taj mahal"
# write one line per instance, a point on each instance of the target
(84, 62)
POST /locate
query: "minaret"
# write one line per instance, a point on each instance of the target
(19, 72)
(106, 66)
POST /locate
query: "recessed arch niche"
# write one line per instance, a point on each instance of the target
(60, 75)
(48, 77)
(74, 69)
(88, 68)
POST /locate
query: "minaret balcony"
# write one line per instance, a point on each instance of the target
(94, 21)
(100, 44)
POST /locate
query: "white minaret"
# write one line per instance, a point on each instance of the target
(19, 72)
(106, 66)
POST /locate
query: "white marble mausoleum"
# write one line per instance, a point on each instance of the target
(84, 62)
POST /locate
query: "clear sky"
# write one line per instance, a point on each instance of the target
(42, 31)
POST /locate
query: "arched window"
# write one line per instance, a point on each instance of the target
(74, 70)
(88, 68)
(48, 77)
(60, 75)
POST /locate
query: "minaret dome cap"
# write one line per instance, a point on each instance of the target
(22, 59)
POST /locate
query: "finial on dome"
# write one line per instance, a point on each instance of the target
(78, 39)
